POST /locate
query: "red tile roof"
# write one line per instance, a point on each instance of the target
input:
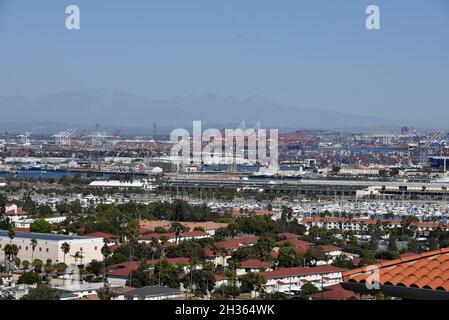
(208, 252)
(296, 242)
(255, 264)
(19, 212)
(148, 226)
(179, 260)
(124, 268)
(113, 247)
(288, 235)
(335, 292)
(429, 270)
(274, 255)
(172, 235)
(219, 277)
(101, 235)
(328, 248)
(234, 243)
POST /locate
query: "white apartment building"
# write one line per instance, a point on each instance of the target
(292, 279)
(49, 247)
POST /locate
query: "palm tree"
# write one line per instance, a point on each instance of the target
(33, 247)
(11, 234)
(77, 256)
(11, 251)
(224, 254)
(154, 246)
(65, 247)
(105, 251)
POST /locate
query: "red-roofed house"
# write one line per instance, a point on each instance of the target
(332, 252)
(248, 266)
(291, 279)
(288, 235)
(171, 237)
(235, 243)
(218, 258)
(220, 280)
(14, 213)
(336, 292)
(358, 224)
(295, 243)
(102, 235)
(122, 270)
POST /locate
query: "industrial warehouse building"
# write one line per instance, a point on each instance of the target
(49, 247)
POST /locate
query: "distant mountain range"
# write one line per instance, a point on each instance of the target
(86, 108)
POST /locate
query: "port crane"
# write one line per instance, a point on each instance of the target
(64, 137)
(25, 138)
(423, 149)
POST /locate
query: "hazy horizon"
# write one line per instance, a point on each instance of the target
(311, 55)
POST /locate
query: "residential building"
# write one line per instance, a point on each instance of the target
(292, 279)
(154, 293)
(49, 247)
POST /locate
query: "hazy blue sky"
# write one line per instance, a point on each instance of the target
(313, 54)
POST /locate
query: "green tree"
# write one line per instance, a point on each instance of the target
(40, 226)
(202, 280)
(393, 248)
(11, 234)
(106, 252)
(414, 246)
(96, 267)
(3, 201)
(106, 293)
(62, 208)
(37, 265)
(25, 264)
(286, 215)
(288, 257)
(44, 211)
(335, 169)
(254, 281)
(11, 252)
(29, 205)
(315, 254)
(139, 278)
(30, 278)
(166, 274)
(264, 246)
(75, 207)
(49, 267)
(308, 289)
(33, 244)
(342, 261)
(65, 247)
(42, 292)
(367, 258)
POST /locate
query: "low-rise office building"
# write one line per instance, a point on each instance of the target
(49, 247)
